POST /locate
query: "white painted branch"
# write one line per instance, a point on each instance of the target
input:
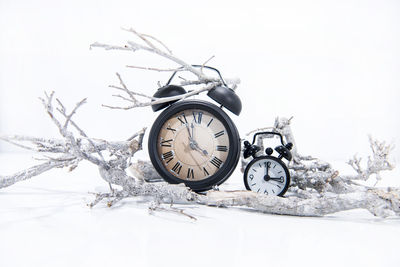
(378, 162)
(149, 46)
(70, 151)
(166, 99)
(380, 202)
(6, 181)
(312, 173)
(155, 69)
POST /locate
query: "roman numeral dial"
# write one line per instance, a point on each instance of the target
(216, 162)
(177, 168)
(193, 145)
(168, 156)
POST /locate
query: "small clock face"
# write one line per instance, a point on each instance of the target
(192, 142)
(267, 175)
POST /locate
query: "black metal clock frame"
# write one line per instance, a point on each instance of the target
(234, 144)
(283, 150)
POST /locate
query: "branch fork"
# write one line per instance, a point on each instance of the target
(205, 82)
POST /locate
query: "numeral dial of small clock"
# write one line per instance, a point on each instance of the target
(267, 176)
(193, 144)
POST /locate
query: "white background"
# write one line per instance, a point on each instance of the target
(333, 65)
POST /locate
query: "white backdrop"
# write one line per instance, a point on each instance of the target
(333, 65)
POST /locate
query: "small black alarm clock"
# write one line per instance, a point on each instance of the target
(267, 174)
(195, 142)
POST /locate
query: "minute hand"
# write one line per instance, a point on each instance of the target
(195, 144)
(190, 135)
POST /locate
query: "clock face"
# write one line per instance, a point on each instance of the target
(193, 143)
(267, 175)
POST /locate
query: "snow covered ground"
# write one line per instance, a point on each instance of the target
(45, 222)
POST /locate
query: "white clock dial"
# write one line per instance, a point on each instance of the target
(267, 175)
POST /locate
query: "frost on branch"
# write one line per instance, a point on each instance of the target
(316, 179)
(312, 173)
(70, 150)
(375, 164)
(317, 189)
(154, 46)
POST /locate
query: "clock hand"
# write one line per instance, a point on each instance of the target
(205, 153)
(191, 141)
(202, 151)
(187, 127)
(196, 145)
(197, 163)
(276, 179)
(266, 170)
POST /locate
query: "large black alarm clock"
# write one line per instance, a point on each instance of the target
(193, 141)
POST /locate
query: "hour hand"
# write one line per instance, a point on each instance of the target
(280, 179)
(203, 151)
(196, 145)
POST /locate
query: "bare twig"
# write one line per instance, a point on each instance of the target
(157, 40)
(205, 62)
(155, 206)
(126, 89)
(165, 99)
(133, 93)
(149, 46)
(155, 69)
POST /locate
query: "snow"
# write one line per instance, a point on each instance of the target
(45, 222)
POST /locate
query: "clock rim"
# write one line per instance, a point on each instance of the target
(253, 161)
(234, 142)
